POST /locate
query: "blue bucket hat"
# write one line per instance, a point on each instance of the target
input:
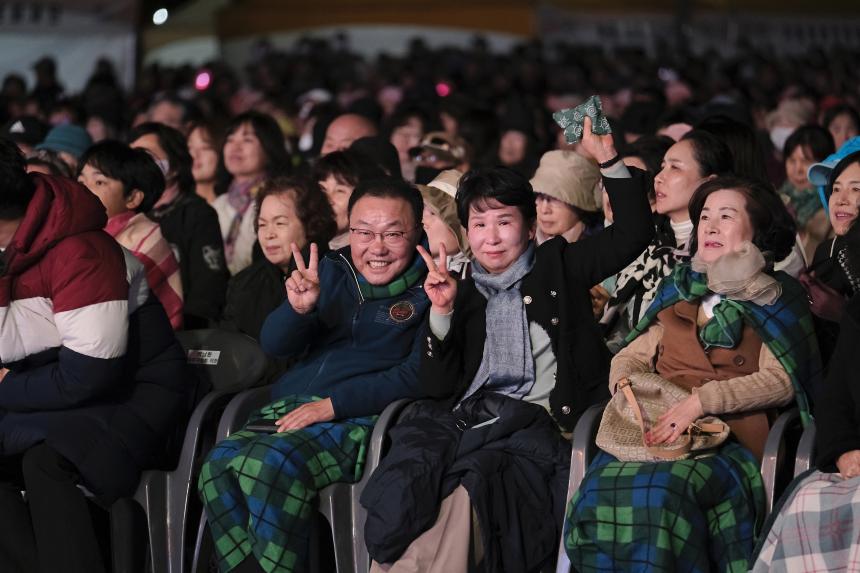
(72, 139)
(821, 174)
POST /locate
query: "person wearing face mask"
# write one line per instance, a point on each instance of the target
(188, 224)
(737, 338)
(834, 275)
(697, 157)
(807, 145)
(785, 119)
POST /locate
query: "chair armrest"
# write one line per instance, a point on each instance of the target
(380, 429)
(774, 452)
(237, 411)
(582, 445)
(805, 457)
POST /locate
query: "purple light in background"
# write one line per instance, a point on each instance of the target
(443, 89)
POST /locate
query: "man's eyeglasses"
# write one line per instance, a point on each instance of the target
(390, 238)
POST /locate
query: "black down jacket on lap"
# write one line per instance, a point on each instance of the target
(515, 470)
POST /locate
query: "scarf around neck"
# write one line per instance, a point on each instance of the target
(407, 279)
(784, 325)
(507, 366)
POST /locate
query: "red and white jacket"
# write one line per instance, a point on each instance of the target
(63, 302)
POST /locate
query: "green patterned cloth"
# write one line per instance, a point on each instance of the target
(804, 202)
(416, 271)
(785, 327)
(572, 121)
(259, 490)
(695, 515)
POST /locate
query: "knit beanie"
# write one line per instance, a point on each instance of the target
(570, 178)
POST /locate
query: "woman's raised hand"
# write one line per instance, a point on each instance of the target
(441, 288)
(600, 147)
(303, 286)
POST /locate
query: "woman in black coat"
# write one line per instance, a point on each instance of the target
(517, 349)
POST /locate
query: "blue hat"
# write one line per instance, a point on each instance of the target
(72, 139)
(821, 174)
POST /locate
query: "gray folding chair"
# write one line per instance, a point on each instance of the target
(338, 503)
(583, 449)
(805, 458)
(779, 447)
(229, 362)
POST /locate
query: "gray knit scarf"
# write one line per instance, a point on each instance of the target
(507, 366)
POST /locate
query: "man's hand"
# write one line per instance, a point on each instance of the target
(441, 288)
(849, 464)
(3, 373)
(307, 414)
(303, 286)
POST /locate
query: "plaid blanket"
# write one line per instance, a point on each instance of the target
(692, 515)
(817, 529)
(785, 327)
(258, 490)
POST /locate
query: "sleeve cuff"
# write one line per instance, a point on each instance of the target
(617, 171)
(440, 324)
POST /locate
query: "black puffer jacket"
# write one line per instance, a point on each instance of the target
(515, 470)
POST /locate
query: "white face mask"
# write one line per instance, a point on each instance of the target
(164, 165)
(779, 135)
(306, 141)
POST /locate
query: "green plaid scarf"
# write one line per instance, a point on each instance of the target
(785, 327)
(416, 271)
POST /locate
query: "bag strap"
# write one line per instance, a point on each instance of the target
(656, 451)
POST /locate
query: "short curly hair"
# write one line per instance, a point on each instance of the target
(774, 228)
(312, 206)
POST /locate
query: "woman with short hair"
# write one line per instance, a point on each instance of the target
(737, 337)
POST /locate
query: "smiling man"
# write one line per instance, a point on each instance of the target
(355, 316)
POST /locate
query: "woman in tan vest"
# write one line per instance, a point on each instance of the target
(739, 337)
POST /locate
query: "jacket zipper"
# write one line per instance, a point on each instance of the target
(360, 299)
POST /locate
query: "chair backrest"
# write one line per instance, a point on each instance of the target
(229, 361)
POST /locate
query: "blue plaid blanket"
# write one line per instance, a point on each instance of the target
(259, 490)
(695, 515)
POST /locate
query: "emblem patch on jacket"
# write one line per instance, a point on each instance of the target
(401, 311)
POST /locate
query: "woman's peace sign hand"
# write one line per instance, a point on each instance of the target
(303, 286)
(441, 288)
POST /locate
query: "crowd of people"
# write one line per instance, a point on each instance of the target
(420, 227)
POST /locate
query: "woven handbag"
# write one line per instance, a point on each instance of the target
(637, 405)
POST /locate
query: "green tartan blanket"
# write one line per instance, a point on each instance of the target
(695, 515)
(785, 327)
(259, 490)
